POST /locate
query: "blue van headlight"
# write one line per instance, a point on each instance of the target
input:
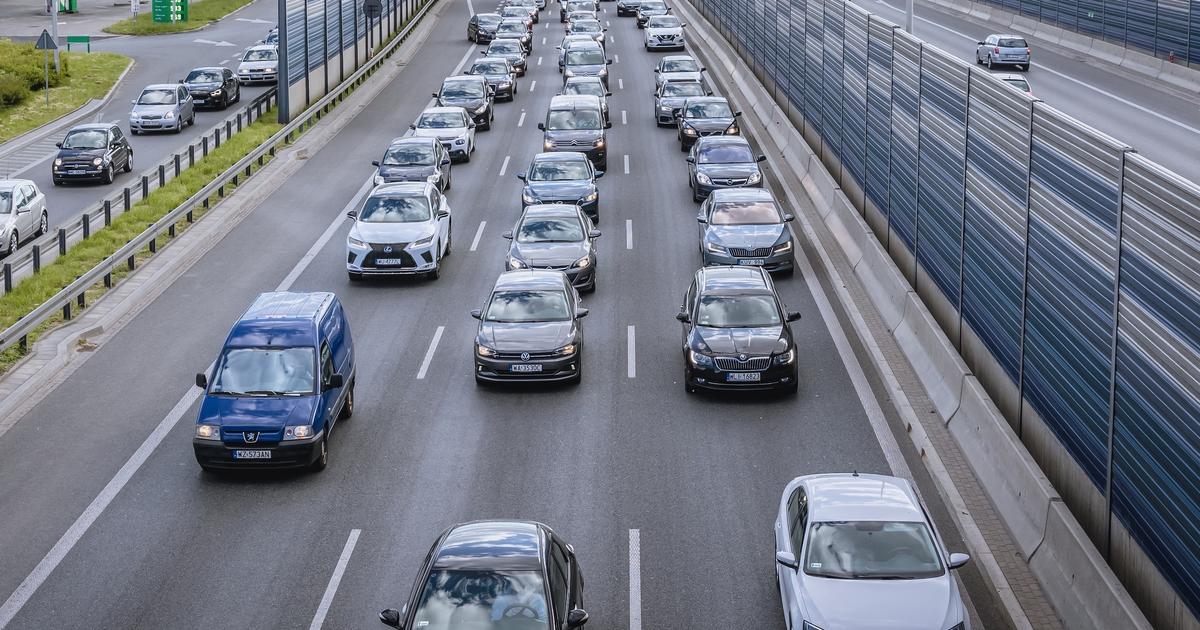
(302, 432)
(208, 432)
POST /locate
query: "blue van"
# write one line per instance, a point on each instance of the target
(284, 378)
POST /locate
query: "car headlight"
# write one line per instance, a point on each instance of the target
(689, 131)
(569, 73)
(505, 84)
(355, 242)
(422, 242)
(786, 358)
(782, 248)
(169, 115)
(713, 247)
(216, 92)
(433, 178)
(565, 351)
(484, 351)
(135, 116)
(548, 144)
(515, 263)
(58, 161)
(528, 198)
(590, 197)
(598, 143)
(699, 359)
(302, 432)
(460, 141)
(97, 162)
(754, 178)
(732, 130)
(208, 432)
(664, 108)
(378, 179)
(582, 263)
(703, 179)
(482, 108)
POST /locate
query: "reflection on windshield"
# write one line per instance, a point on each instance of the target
(90, 139)
(680, 65)
(737, 311)
(462, 89)
(871, 550)
(395, 209)
(203, 76)
(483, 600)
(650, 7)
(528, 306)
(682, 89)
(260, 55)
(584, 58)
(558, 170)
(265, 372)
(725, 154)
(550, 230)
(157, 97)
(491, 67)
(501, 47)
(573, 119)
(443, 120)
(409, 156)
(586, 26)
(745, 213)
(714, 109)
(591, 88)
(663, 22)
(511, 29)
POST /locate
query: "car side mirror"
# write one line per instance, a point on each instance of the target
(390, 617)
(608, 93)
(445, 161)
(58, 144)
(181, 80)
(787, 559)
(353, 214)
(978, 43)
(608, 62)
(737, 114)
(793, 316)
(703, 69)
(701, 219)
(435, 94)
(576, 618)
(709, 92)
(471, 125)
(508, 235)
(477, 313)
(133, 102)
(690, 159)
(374, 162)
(761, 158)
(608, 125)
(581, 313)
(442, 214)
(594, 234)
(335, 381)
(599, 174)
(787, 218)
(201, 380)
(522, 175)
(541, 126)
(957, 560)
(412, 125)
(683, 317)
(656, 71)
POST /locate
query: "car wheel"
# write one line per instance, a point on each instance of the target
(696, 197)
(682, 147)
(591, 288)
(348, 406)
(323, 458)
(129, 163)
(43, 224)
(134, 131)
(449, 182)
(56, 181)
(13, 241)
(989, 61)
(436, 273)
(1024, 68)
(108, 175)
(237, 96)
(449, 239)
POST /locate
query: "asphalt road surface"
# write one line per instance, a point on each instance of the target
(143, 539)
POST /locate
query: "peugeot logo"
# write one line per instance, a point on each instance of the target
(387, 249)
(524, 356)
(250, 436)
(742, 357)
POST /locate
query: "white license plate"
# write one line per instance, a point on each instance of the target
(743, 377)
(252, 454)
(752, 261)
(525, 367)
(75, 172)
(388, 261)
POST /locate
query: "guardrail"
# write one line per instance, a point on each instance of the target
(72, 297)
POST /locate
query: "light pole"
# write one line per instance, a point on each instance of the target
(908, 16)
(54, 31)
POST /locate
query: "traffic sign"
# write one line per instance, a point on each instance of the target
(45, 42)
(169, 10)
(373, 8)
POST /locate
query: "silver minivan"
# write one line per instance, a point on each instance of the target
(998, 50)
(22, 213)
(162, 107)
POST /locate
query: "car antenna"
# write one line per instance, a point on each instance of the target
(854, 474)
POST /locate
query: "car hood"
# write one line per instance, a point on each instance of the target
(526, 337)
(550, 254)
(406, 173)
(251, 65)
(744, 236)
(562, 135)
(741, 340)
(497, 78)
(516, 58)
(708, 124)
(202, 87)
(469, 104)
(448, 133)
(81, 153)
(657, 32)
(895, 604)
(258, 413)
(153, 109)
(392, 232)
(731, 170)
(585, 70)
(571, 190)
(678, 76)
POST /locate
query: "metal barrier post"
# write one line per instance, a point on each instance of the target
(216, 137)
(191, 155)
(87, 225)
(107, 213)
(177, 165)
(37, 258)
(204, 146)
(7, 277)
(162, 175)
(62, 241)
(145, 186)
(128, 200)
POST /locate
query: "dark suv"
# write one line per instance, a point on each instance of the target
(705, 116)
(92, 152)
(575, 122)
(735, 332)
(215, 87)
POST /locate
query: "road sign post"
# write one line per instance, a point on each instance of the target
(45, 43)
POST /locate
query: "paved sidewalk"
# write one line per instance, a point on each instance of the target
(26, 19)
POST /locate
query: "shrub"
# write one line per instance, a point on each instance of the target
(12, 90)
(24, 62)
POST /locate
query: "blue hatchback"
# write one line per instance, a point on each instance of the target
(284, 378)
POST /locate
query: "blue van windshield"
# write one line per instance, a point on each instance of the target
(265, 372)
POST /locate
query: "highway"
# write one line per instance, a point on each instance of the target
(158, 59)
(1157, 119)
(109, 515)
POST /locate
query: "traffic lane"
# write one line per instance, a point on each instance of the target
(1159, 121)
(129, 402)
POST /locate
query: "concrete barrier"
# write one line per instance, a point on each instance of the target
(884, 281)
(1180, 76)
(933, 358)
(1075, 41)
(1111, 53)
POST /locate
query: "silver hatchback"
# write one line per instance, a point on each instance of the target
(22, 213)
(163, 107)
(1007, 50)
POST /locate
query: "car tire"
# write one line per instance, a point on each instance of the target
(354, 276)
(56, 181)
(449, 182)
(129, 163)
(348, 406)
(43, 224)
(322, 460)
(591, 288)
(989, 61)
(696, 196)
(682, 147)
(14, 240)
(237, 98)
(134, 131)
(1024, 68)
(978, 61)
(108, 175)
(432, 276)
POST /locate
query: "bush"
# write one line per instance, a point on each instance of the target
(12, 90)
(25, 63)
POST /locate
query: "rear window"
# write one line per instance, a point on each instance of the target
(1011, 42)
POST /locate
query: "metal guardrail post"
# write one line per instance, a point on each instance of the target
(228, 129)
(178, 166)
(81, 300)
(131, 262)
(204, 146)
(37, 258)
(87, 225)
(66, 311)
(154, 245)
(62, 241)
(216, 137)
(162, 175)
(239, 122)
(145, 186)
(128, 200)
(7, 278)
(107, 213)
(191, 155)
(108, 280)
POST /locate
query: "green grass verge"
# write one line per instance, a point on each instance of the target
(200, 14)
(33, 291)
(92, 75)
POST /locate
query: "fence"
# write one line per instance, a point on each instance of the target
(1063, 266)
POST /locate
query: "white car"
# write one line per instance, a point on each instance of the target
(22, 213)
(857, 551)
(678, 68)
(452, 126)
(1016, 80)
(664, 32)
(401, 229)
(260, 64)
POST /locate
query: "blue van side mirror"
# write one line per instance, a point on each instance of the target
(201, 380)
(334, 381)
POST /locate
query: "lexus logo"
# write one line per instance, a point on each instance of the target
(387, 249)
(524, 356)
(250, 436)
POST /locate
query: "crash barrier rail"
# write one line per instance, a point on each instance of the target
(42, 250)
(1061, 265)
(72, 297)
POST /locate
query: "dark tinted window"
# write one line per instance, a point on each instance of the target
(441, 120)
(490, 67)
(204, 76)
(1010, 42)
(528, 306)
(482, 600)
(462, 89)
(410, 155)
(395, 209)
(724, 154)
(264, 372)
(558, 578)
(505, 47)
(550, 230)
(558, 170)
(711, 109)
(737, 311)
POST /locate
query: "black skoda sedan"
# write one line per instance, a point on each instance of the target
(529, 330)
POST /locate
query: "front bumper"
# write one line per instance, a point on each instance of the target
(161, 124)
(78, 173)
(411, 260)
(772, 263)
(290, 454)
(654, 43)
(712, 378)
(665, 117)
(598, 155)
(553, 370)
(481, 119)
(256, 77)
(504, 91)
(456, 150)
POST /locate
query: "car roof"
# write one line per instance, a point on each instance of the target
(9, 184)
(496, 545)
(280, 318)
(463, 77)
(161, 86)
(584, 41)
(97, 126)
(678, 58)
(861, 497)
(447, 109)
(559, 156)
(727, 277)
(551, 210)
(530, 279)
(413, 140)
(586, 79)
(1008, 76)
(263, 47)
(215, 68)
(490, 60)
(1012, 35)
(707, 99)
(716, 141)
(488, 14)
(742, 194)
(564, 101)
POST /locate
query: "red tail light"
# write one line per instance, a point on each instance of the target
(996, 50)
(1027, 51)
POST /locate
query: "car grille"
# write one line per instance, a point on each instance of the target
(572, 143)
(533, 356)
(736, 364)
(665, 38)
(761, 252)
(397, 251)
(741, 181)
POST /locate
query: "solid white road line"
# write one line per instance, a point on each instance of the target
(478, 234)
(504, 166)
(624, 120)
(532, 85)
(628, 233)
(334, 580)
(316, 248)
(621, 84)
(437, 336)
(635, 579)
(631, 354)
(626, 163)
(521, 120)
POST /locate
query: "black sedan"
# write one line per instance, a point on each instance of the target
(555, 236)
(414, 159)
(705, 116)
(481, 28)
(215, 87)
(529, 330)
(509, 49)
(719, 162)
(471, 93)
(500, 75)
(92, 151)
(735, 332)
(562, 177)
(670, 96)
(628, 8)
(495, 575)
(648, 9)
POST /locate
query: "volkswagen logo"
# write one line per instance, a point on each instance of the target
(524, 356)
(742, 357)
(250, 436)
(387, 249)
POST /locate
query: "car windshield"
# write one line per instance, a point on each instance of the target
(505, 47)
(1018, 83)
(1012, 42)
(490, 67)
(745, 213)
(203, 76)
(678, 88)
(680, 65)
(265, 54)
(441, 120)
(543, 305)
(511, 29)
(663, 21)
(710, 109)
(871, 550)
(459, 599)
(725, 154)
(550, 230)
(88, 139)
(737, 311)
(410, 155)
(157, 97)
(462, 89)
(586, 26)
(490, 21)
(558, 170)
(589, 57)
(573, 119)
(5, 202)
(395, 209)
(265, 372)
(592, 88)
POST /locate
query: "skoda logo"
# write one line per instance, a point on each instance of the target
(742, 357)
(387, 249)
(250, 436)
(524, 356)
